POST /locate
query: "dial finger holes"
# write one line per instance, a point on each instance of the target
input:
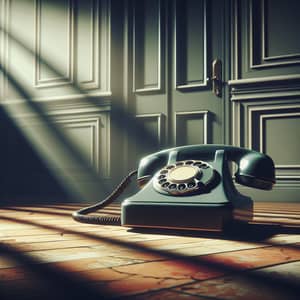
(162, 181)
(170, 167)
(181, 187)
(191, 184)
(166, 184)
(172, 186)
(184, 178)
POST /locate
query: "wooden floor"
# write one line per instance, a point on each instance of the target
(44, 254)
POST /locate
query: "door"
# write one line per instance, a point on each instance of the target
(173, 45)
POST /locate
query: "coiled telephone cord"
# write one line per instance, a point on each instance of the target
(82, 214)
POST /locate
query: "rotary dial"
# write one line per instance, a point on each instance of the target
(185, 178)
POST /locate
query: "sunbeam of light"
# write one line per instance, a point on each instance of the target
(207, 261)
(49, 139)
(55, 283)
(55, 147)
(124, 119)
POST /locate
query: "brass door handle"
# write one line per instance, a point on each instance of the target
(217, 77)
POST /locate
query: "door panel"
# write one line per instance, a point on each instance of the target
(197, 41)
(173, 46)
(190, 45)
(262, 101)
(147, 50)
(192, 128)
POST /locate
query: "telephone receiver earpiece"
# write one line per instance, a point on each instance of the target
(256, 170)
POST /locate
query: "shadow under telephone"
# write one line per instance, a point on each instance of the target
(189, 187)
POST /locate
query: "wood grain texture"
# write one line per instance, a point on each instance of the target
(44, 254)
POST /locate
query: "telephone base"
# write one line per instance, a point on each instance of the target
(205, 217)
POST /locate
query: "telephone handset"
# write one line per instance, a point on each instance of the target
(191, 187)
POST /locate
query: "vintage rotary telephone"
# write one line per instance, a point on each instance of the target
(189, 187)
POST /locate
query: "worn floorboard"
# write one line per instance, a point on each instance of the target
(44, 254)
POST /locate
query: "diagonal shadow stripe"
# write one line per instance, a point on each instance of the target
(63, 140)
(204, 261)
(97, 187)
(38, 211)
(59, 284)
(123, 118)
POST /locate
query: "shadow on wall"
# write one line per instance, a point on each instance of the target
(24, 176)
(39, 164)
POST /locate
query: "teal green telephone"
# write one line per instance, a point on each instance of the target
(190, 187)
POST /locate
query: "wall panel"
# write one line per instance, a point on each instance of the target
(192, 128)
(278, 136)
(54, 38)
(190, 44)
(267, 119)
(90, 134)
(273, 36)
(88, 22)
(58, 44)
(17, 19)
(155, 125)
(265, 88)
(147, 46)
(59, 51)
(265, 40)
(93, 45)
(280, 39)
